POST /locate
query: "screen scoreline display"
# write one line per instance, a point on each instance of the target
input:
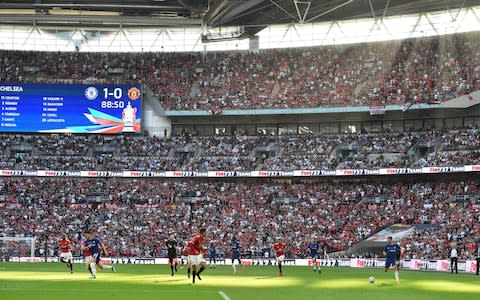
(70, 108)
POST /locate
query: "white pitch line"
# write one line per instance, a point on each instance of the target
(224, 296)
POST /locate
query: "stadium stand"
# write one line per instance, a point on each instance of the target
(232, 153)
(142, 212)
(128, 212)
(428, 70)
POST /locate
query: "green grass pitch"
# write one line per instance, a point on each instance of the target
(52, 281)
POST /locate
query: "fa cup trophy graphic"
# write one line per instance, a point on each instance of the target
(128, 118)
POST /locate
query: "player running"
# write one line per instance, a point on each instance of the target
(172, 252)
(212, 255)
(393, 253)
(279, 248)
(235, 246)
(92, 256)
(195, 253)
(65, 252)
(314, 247)
(186, 259)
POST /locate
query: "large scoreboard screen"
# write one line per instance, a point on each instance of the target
(70, 108)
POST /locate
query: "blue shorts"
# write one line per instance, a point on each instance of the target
(97, 258)
(390, 263)
(236, 256)
(315, 256)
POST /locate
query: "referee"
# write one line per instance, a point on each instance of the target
(454, 259)
(172, 252)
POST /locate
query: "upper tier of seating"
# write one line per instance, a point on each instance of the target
(429, 70)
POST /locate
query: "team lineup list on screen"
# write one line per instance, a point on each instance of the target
(70, 108)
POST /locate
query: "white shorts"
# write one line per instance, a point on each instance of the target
(195, 259)
(187, 260)
(67, 255)
(280, 258)
(89, 259)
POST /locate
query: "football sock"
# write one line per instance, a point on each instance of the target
(93, 269)
(280, 267)
(397, 275)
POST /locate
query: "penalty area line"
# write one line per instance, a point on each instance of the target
(224, 296)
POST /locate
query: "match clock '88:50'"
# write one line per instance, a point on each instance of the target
(112, 104)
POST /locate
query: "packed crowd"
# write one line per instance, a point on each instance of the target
(305, 153)
(429, 70)
(233, 153)
(135, 216)
(457, 229)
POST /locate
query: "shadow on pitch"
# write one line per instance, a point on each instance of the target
(385, 284)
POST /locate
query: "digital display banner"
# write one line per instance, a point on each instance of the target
(229, 173)
(70, 108)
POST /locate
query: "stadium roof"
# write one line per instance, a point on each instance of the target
(253, 14)
(143, 13)
(267, 12)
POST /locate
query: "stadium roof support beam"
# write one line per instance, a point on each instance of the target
(417, 23)
(99, 20)
(284, 10)
(32, 30)
(301, 16)
(329, 10)
(385, 10)
(474, 14)
(100, 5)
(454, 19)
(378, 22)
(431, 24)
(372, 10)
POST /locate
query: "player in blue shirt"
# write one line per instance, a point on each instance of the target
(93, 247)
(314, 248)
(212, 254)
(393, 252)
(235, 246)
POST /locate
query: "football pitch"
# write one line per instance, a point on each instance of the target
(52, 281)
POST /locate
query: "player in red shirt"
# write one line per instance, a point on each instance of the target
(279, 248)
(65, 253)
(195, 253)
